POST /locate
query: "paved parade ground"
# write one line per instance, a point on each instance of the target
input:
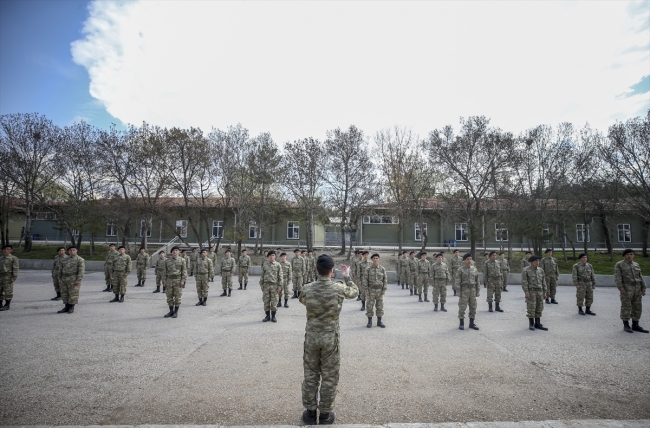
(123, 363)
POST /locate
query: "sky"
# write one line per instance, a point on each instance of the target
(297, 69)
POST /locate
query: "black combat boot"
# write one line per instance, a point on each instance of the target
(419, 297)
(379, 323)
(490, 306)
(637, 327)
(425, 298)
(505, 289)
(241, 287)
(498, 307)
(157, 290)
(538, 325)
(411, 291)
(175, 312)
(170, 313)
(531, 324)
(363, 305)
(295, 296)
(626, 327)
(268, 317)
(142, 284)
(402, 286)
(229, 291)
(369, 325)
(309, 417)
(138, 284)
(462, 324)
(64, 310)
(164, 289)
(554, 301)
(580, 311)
(111, 289)
(116, 298)
(472, 325)
(588, 311)
(71, 309)
(273, 319)
(205, 299)
(191, 274)
(200, 302)
(121, 298)
(279, 305)
(548, 300)
(326, 418)
(58, 296)
(454, 292)
(108, 287)
(245, 285)
(435, 307)
(225, 293)
(286, 302)
(442, 307)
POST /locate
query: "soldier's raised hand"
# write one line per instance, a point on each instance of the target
(345, 271)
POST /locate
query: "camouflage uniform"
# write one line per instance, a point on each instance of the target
(549, 266)
(441, 277)
(584, 280)
(533, 282)
(141, 264)
(193, 257)
(204, 270)
(505, 270)
(467, 286)
(107, 266)
(311, 264)
(120, 269)
(55, 270)
(271, 280)
(286, 278)
(423, 276)
(160, 267)
(456, 262)
(243, 264)
(188, 263)
(174, 273)
(493, 277)
(297, 268)
(213, 258)
(362, 267)
(71, 270)
(321, 358)
(628, 277)
(404, 271)
(8, 275)
(375, 283)
(524, 263)
(413, 273)
(227, 268)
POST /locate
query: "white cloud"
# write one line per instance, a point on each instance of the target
(297, 69)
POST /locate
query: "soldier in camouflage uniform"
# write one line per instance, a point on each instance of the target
(314, 254)
(8, 275)
(297, 270)
(533, 282)
(311, 261)
(375, 284)
(188, 262)
(120, 269)
(630, 283)
(549, 266)
(404, 270)
(505, 270)
(193, 256)
(524, 262)
(424, 275)
(585, 282)
(203, 271)
(112, 253)
(398, 269)
(413, 273)
(213, 258)
(441, 277)
(456, 262)
(468, 288)
(71, 272)
(227, 268)
(286, 280)
(60, 255)
(494, 278)
(174, 277)
(362, 267)
(354, 268)
(160, 267)
(243, 264)
(321, 356)
(141, 265)
(270, 283)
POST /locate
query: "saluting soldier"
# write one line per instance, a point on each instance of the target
(160, 267)
(441, 277)
(456, 262)
(630, 283)
(468, 288)
(549, 266)
(505, 270)
(112, 253)
(204, 269)
(423, 276)
(227, 268)
(533, 282)
(375, 284)
(71, 272)
(174, 277)
(193, 257)
(141, 264)
(243, 264)
(585, 282)
(413, 273)
(297, 269)
(120, 270)
(60, 255)
(270, 283)
(8, 275)
(213, 258)
(494, 278)
(286, 280)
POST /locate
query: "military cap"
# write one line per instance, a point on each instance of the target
(121, 246)
(628, 251)
(71, 247)
(324, 261)
(111, 245)
(501, 253)
(548, 250)
(142, 248)
(423, 253)
(175, 248)
(374, 255)
(57, 250)
(366, 252)
(228, 250)
(283, 254)
(303, 251)
(466, 255)
(161, 252)
(297, 250)
(533, 258)
(492, 252)
(455, 251)
(309, 251)
(244, 250)
(203, 250)
(582, 255)
(270, 252)
(528, 252)
(412, 252)
(440, 255)
(356, 251)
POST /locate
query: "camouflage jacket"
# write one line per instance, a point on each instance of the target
(628, 274)
(524, 264)
(110, 256)
(142, 260)
(160, 266)
(455, 263)
(57, 264)
(324, 300)
(467, 277)
(404, 266)
(505, 267)
(72, 267)
(549, 266)
(440, 272)
(175, 269)
(423, 267)
(204, 267)
(194, 256)
(492, 270)
(286, 271)
(121, 264)
(227, 265)
(413, 265)
(376, 278)
(362, 267)
(244, 262)
(271, 274)
(583, 274)
(9, 266)
(533, 279)
(298, 265)
(213, 257)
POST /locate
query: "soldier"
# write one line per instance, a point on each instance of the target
(227, 268)
(630, 283)
(141, 265)
(174, 277)
(286, 280)
(194, 256)
(413, 272)
(71, 272)
(243, 264)
(60, 255)
(120, 269)
(160, 267)
(486, 258)
(204, 269)
(303, 254)
(362, 267)
(533, 282)
(310, 266)
(494, 278)
(423, 276)
(456, 262)
(398, 269)
(585, 282)
(375, 284)
(355, 270)
(314, 276)
(468, 288)
(270, 282)
(524, 262)
(185, 257)
(112, 253)
(213, 258)
(404, 270)
(8, 275)
(549, 266)
(505, 270)
(297, 269)
(441, 277)
(321, 356)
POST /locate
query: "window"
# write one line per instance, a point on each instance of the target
(143, 227)
(546, 234)
(582, 232)
(624, 233)
(377, 219)
(181, 228)
(111, 230)
(461, 231)
(75, 233)
(419, 230)
(500, 232)
(252, 230)
(293, 230)
(217, 229)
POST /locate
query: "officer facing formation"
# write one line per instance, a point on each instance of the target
(552, 273)
(160, 267)
(630, 283)
(323, 300)
(60, 255)
(120, 269)
(112, 253)
(375, 285)
(193, 257)
(71, 272)
(441, 277)
(585, 282)
(456, 262)
(174, 277)
(204, 271)
(8, 275)
(533, 282)
(286, 279)
(227, 268)
(468, 289)
(297, 271)
(141, 264)
(423, 276)
(505, 270)
(243, 264)
(494, 280)
(270, 282)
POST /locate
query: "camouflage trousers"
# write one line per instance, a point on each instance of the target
(57, 288)
(202, 286)
(467, 298)
(504, 280)
(284, 290)
(439, 291)
(584, 294)
(243, 275)
(6, 287)
(404, 277)
(374, 300)
(535, 305)
(69, 291)
(321, 363)
(174, 292)
(551, 283)
(142, 274)
(296, 278)
(362, 291)
(190, 268)
(494, 289)
(422, 281)
(425, 285)
(453, 275)
(226, 280)
(119, 283)
(631, 304)
(107, 275)
(158, 280)
(270, 297)
(412, 280)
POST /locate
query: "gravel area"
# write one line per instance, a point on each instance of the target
(114, 364)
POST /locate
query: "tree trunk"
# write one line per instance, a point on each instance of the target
(28, 227)
(645, 231)
(342, 252)
(92, 243)
(572, 246)
(608, 240)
